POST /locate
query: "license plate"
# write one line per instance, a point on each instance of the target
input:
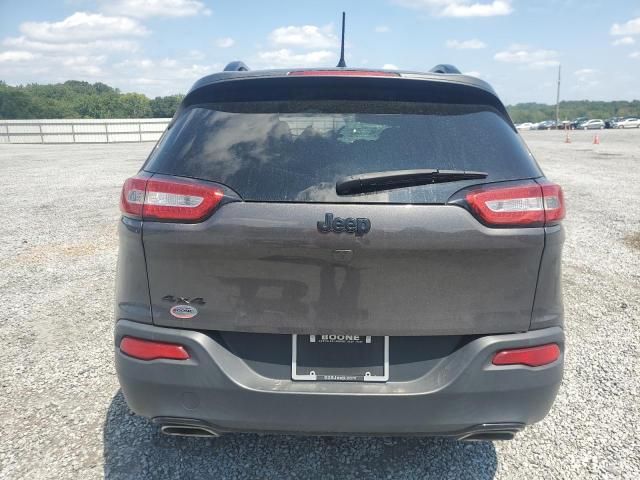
(340, 358)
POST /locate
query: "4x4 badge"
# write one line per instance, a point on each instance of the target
(359, 226)
(187, 300)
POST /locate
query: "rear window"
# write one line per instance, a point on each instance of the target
(296, 151)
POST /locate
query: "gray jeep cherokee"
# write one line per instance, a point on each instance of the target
(340, 251)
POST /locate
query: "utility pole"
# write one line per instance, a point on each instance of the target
(558, 98)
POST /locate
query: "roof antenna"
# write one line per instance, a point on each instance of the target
(341, 63)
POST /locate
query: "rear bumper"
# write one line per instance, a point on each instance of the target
(463, 393)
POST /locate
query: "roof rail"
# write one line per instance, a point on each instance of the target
(236, 66)
(444, 68)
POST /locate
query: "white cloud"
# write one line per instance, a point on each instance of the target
(225, 42)
(474, 44)
(155, 8)
(196, 54)
(584, 72)
(495, 8)
(586, 80)
(287, 58)
(25, 43)
(82, 26)
(49, 68)
(382, 29)
(389, 66)
(306, 36)
(632, 27)
(461, 8)
(141, 63)
(585, 86)
(16, 56)
(160, 76)
(95, 47)
(84, 65)
(314, 42)
(73, 48)
(165, 68)
(524, 55)
(634, 55)
(624, 41)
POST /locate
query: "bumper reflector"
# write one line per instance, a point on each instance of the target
(150, 350)
(532, 356)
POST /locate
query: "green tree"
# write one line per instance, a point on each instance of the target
(134, 105)
(79, 99)
(165, 107)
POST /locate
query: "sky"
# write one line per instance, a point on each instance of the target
(160, 47)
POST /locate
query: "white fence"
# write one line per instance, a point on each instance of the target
(82, 131)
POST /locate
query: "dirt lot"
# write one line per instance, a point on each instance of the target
(63, 416)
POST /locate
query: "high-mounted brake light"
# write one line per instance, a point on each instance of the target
(341, 73)
(531, 357)
(526, 205)
(172, 200)
(150, 350)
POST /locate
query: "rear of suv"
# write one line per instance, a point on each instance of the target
(340, 252)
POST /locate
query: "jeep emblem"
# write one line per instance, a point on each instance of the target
(359, 226)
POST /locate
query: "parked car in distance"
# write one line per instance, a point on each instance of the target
(547, 125)
(525, 126)
(612, 122)
(628, 123)
(577, 121)
(595, 124)
(565, 125)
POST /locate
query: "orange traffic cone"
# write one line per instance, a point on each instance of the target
(567, 139)
(596, 139)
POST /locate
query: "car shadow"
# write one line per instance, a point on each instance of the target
(134, 448)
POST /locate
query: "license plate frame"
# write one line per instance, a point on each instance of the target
(359, 376)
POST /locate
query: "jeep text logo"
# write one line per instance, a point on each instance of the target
(359, 226)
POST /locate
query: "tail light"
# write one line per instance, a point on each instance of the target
(531, 205)
(132, 196)
(150, 350)
(554, 209)
(531, 357)
(169, 200)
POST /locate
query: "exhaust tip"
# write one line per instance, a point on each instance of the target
(489, 436)
(188, 431)
(489, 432)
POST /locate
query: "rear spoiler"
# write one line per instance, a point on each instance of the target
(426, 88)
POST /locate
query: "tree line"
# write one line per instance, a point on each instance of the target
(569, 110)
(75, 99)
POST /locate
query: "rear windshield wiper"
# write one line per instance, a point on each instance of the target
(379, 181)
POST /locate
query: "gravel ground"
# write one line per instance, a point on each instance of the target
(63, 416)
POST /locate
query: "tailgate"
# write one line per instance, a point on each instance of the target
(420, 270)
